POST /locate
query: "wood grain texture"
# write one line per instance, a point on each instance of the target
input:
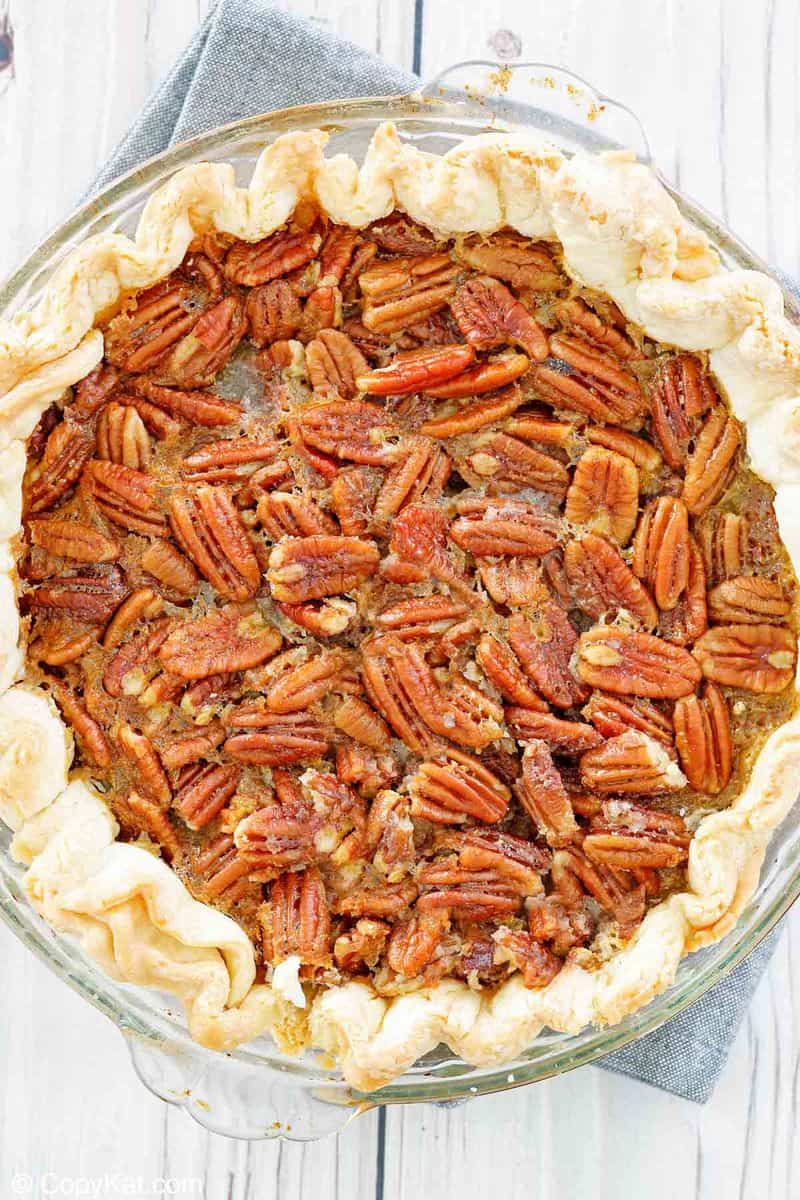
(716, 85)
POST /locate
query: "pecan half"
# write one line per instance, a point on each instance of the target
(334, 363)
(757, 658)
(512, 860)
(323, 618)
(401, 685)
(192, 748)
(276, 838)
(612, 889)
(284, 514)
(254, 263)
(351, 429)
(477, 894)
(89, 596)
(725, 543)
(322, 310)
(489, 315)
(502, 668)
(635, 663)
(576, 315)
(299, 919)
(537, 964)
(59, 645)
(703, 739)
(390, 835)
(748, 600)
(639, 451)
(631, 764)
(418, 547)
(602, 583)
(604, 494)
(124, 496)
(492, 527)
(398, 234)
(353, 492)
(527, 266)
(418, 478)
(508, 464)
(310, 568)
(71, 539)
(141, 604)
(198, 357)
(304, 683)
(144, 757)
(91, 739)
(359, 721)
(122, 436)
(415, 942)
(93, 391)
(629, 837)
(208, 528)
(148, 815)
(457, 787)
(224, 872)
(513, 582)
(165, 563)
(361, 946)
(417, 370)
(129, 670)
(544, 647)
(403, 291)
(273, 313)
(711, 464)
(689, 619)
(612, 715)
(420, 616)
(337, 250)
(273, 739)
(487, 376)
(230, 461)
(542, 794)
(234, 639)
(197, 407)
(67, 450)
(389, 900)
(563, 737)
(596, 386)
(661, 549)
(138, 338)
(683, 392)
(204, 791)
(536, 425)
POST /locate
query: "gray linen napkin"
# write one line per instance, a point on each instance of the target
(248, 58)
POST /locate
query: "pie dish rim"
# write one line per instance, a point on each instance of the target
(83, 372)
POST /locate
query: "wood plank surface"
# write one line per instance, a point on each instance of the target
(716, 85)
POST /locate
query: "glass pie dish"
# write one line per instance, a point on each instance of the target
(255, 1091)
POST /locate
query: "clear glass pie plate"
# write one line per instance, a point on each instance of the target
(256, 1092)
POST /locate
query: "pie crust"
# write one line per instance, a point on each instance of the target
(622, 234)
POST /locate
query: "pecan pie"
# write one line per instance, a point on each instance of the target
(401, 580)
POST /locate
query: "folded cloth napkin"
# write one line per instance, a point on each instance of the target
(248, 58)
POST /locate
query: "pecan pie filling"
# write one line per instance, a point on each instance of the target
(408, 601)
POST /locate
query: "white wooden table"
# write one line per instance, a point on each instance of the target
(716, 84)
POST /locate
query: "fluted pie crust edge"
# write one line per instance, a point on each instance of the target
(622, 234)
